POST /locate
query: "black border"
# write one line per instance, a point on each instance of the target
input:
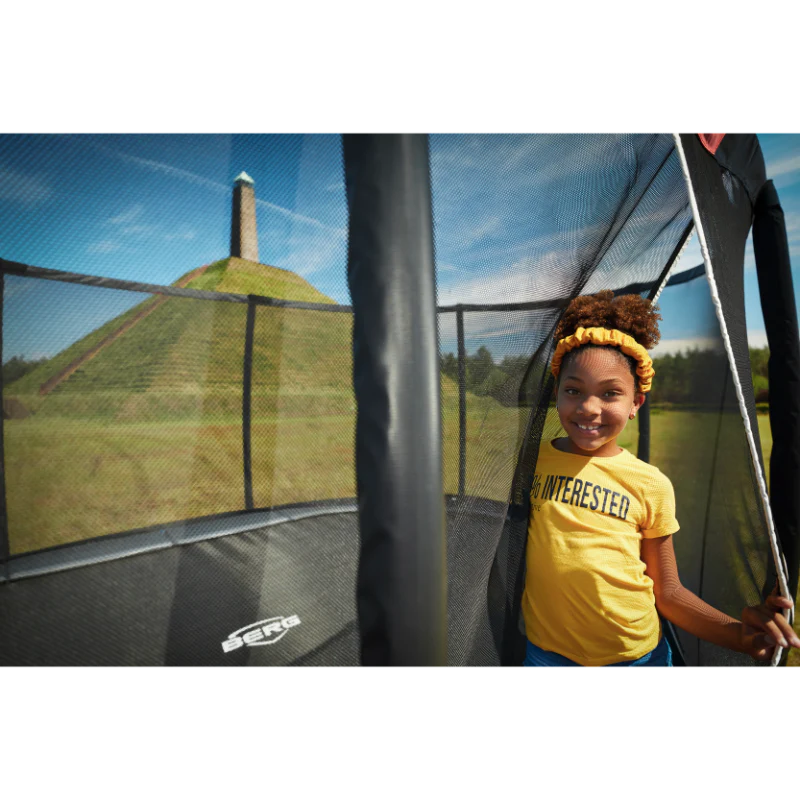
(334, 504)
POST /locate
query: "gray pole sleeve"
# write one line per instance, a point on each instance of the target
(402, 582)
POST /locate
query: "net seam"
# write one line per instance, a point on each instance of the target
(712, 283)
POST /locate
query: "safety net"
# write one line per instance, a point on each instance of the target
(179, 450)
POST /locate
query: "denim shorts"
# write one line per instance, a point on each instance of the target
(661, 656)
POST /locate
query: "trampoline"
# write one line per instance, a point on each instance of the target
(356, 498)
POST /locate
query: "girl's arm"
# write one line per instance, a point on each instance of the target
(762, 627)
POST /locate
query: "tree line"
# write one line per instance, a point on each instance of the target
(17, 366)
(685, 378)
(681, 377)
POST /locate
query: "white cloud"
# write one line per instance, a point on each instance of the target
(295, 217)
(670, 346)
(779, 170)
(199, 180)
(104, 246)
(313, 253)
(17, 187)
(483, 229)
(131, 214)
(187, 235)
(757, 338)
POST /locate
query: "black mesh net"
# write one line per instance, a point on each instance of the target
(697, 438)
(135, 424)
(303, 408)
(509, 234)
(179, 470)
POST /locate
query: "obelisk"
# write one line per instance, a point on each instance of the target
(244, 236)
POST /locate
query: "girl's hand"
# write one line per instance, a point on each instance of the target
(764, 627)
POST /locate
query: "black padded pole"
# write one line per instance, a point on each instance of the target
(462, 404)
(401, 592)
(247, 393)
(780, 320)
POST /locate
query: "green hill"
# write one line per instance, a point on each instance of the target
(239, 276)
(172, 356)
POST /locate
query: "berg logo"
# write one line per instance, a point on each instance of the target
(267, 631)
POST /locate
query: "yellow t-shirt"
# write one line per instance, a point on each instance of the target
(586, 595)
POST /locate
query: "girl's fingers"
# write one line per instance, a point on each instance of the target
(779, 601)
(774, 623)
(758, 617)
(785, 628)
(788, 632)
(760, 647)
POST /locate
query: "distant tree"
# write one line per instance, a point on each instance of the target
(759, 368)
(17, 366)
(515, 365)
(478, 368)
(683, 378)
(759, 361)
(494, 384)
(449, 366)
(690, 378)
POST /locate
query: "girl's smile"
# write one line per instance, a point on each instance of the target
(595, 400)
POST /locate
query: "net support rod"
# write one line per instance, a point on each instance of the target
(27, 271)
(754, 455)
(43, 273)
(247, 398)
(462, 404)
(402, 583)
(4, 545)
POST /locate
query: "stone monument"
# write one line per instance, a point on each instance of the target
(244, 236)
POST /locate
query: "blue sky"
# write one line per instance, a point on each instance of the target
(152, 207)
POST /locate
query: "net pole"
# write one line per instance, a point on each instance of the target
(776, 290)
(401, 590)
(4, 544)
(247, 400)
(462, 404)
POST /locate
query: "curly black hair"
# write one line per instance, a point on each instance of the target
(629, 313)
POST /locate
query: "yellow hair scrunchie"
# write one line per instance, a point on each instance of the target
(607, 336)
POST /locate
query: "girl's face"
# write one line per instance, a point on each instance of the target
(595, 400)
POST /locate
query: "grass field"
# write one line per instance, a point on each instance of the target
(70, 479)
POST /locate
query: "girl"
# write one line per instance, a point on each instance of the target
(600, 563)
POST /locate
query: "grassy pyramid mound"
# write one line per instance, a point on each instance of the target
(240, 276)
(168, 354)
